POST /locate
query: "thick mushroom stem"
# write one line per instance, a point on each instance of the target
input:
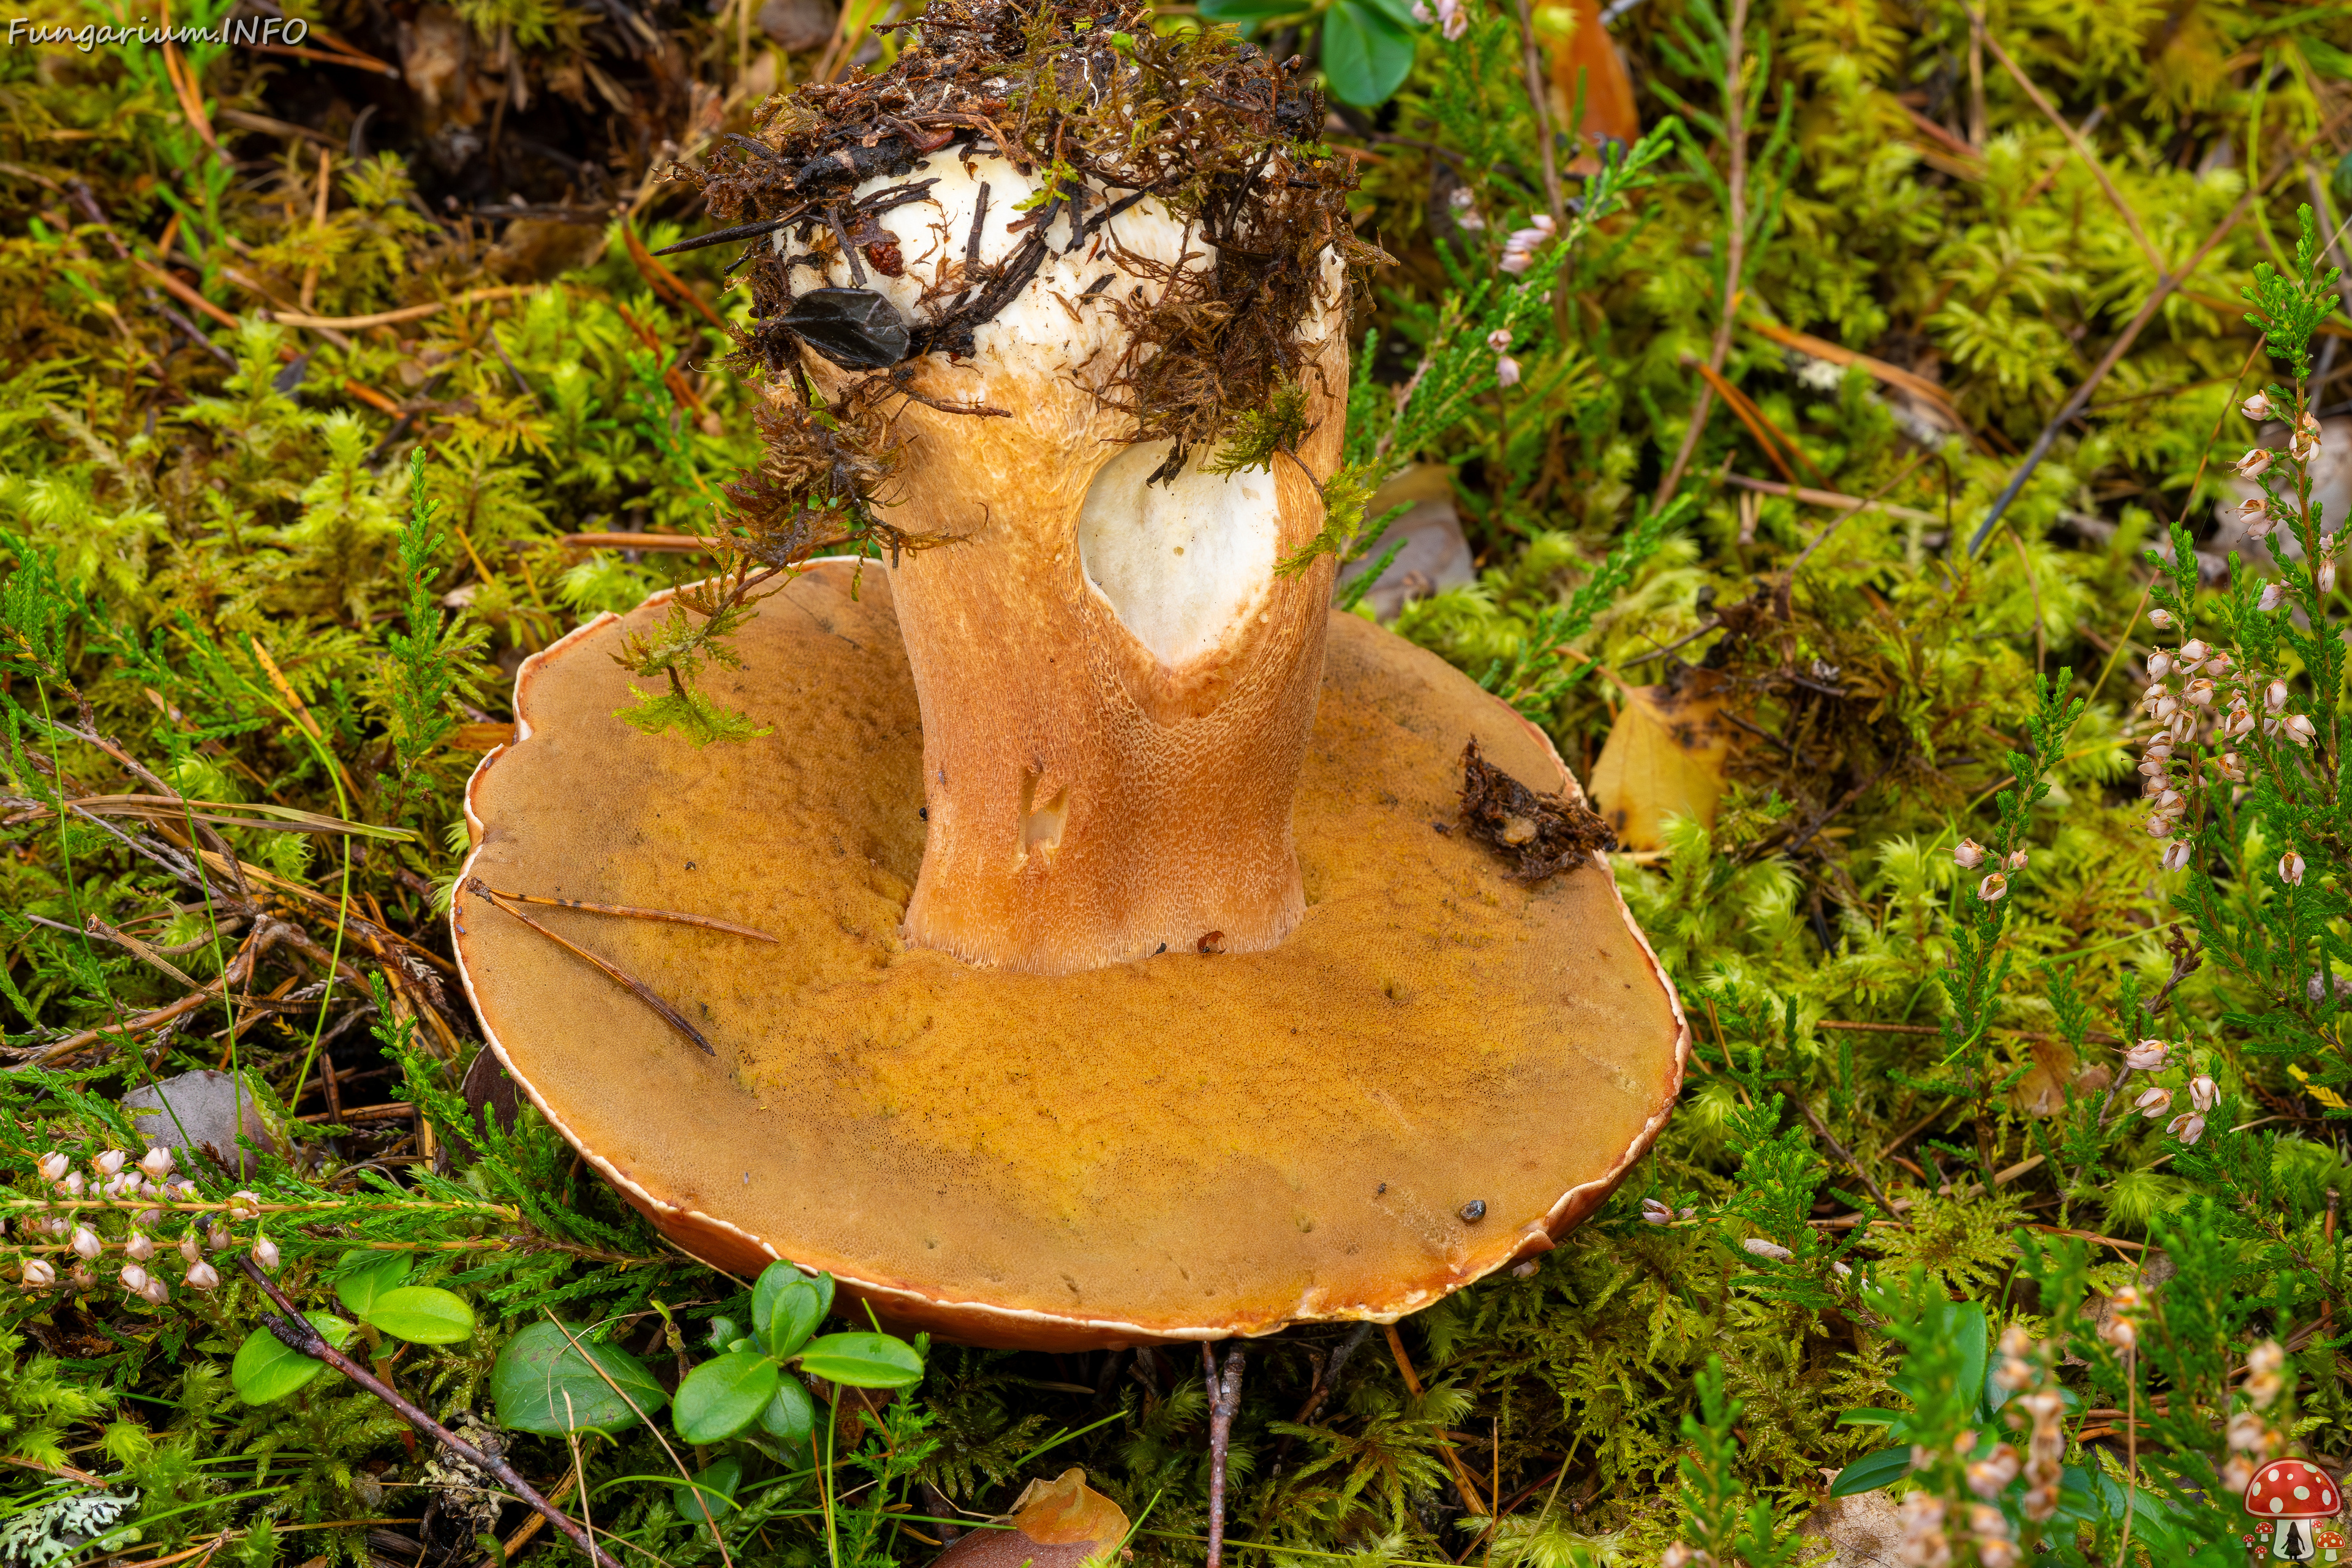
(1117, 682)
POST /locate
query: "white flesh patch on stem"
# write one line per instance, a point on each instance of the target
(1184, 562)
(1180, 564)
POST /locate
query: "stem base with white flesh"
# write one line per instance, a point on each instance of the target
(1436, 1073)
(1116, 680)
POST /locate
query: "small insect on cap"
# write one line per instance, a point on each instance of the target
(2291, 1488)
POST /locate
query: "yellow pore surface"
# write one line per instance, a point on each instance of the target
(1180, 1144)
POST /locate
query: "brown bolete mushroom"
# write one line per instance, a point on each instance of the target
(1135, 973)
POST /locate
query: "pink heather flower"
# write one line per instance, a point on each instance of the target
(2160, 619)
(109, 1162)
(134, 1278)
(1455, 17)
(39, 1275)
(2256, 459)
(2160, 824)
(1968, 854)
(2326, 576)
(54, 1166)
(1506, 371)
(2172, 801)
(2203, 1092)
(2258, 406)
(1992, 887)
(2240, 722)
(1656, 1213)
(2274, 596)
(2198, 691)
(156, 1162)
(1989, 1475)
(2291, 869)
(265, 1253)
(2176, 855)
(2274, 695)
(2016, 861)
(2248, 1433)
(2159, 665)
(1499, 339)
(2254, 509)
(2187, 1127)
(1464, 199)
(2194, 650)
(203, 1276)
(2231, 766)
(1519, 250)
(2299, 728)
(2146, 1057)
(85, 1242)
(2305, 444)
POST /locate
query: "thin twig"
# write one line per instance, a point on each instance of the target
(2075, 140)
(706, 922)
(1838, 521)
(643, 992)
(2081, 396)
(1821, 1131)
(1735, 242)
(297, 1333)
(638, 1410)
(1224, 1402)
(1470, 1497)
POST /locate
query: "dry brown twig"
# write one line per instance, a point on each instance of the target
(1735, 242)
(296, 1333)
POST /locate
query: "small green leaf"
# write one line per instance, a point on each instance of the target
(721, 1397)
(266, 1369)
(422, 1313)
(546, 1383)
(1868, 1417)
(363, 1276)
(792, 1317)
(710, 1495)
(1871, 1471)
(1366, 55)
(723, 1333)
(791, 1413)
(862, 1360)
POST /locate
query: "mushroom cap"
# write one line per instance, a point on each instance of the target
(2291, 1488)
(1437, 1074)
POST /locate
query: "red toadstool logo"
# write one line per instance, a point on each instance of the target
(2292, 1496)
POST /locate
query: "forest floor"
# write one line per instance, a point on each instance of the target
(1870, 511)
